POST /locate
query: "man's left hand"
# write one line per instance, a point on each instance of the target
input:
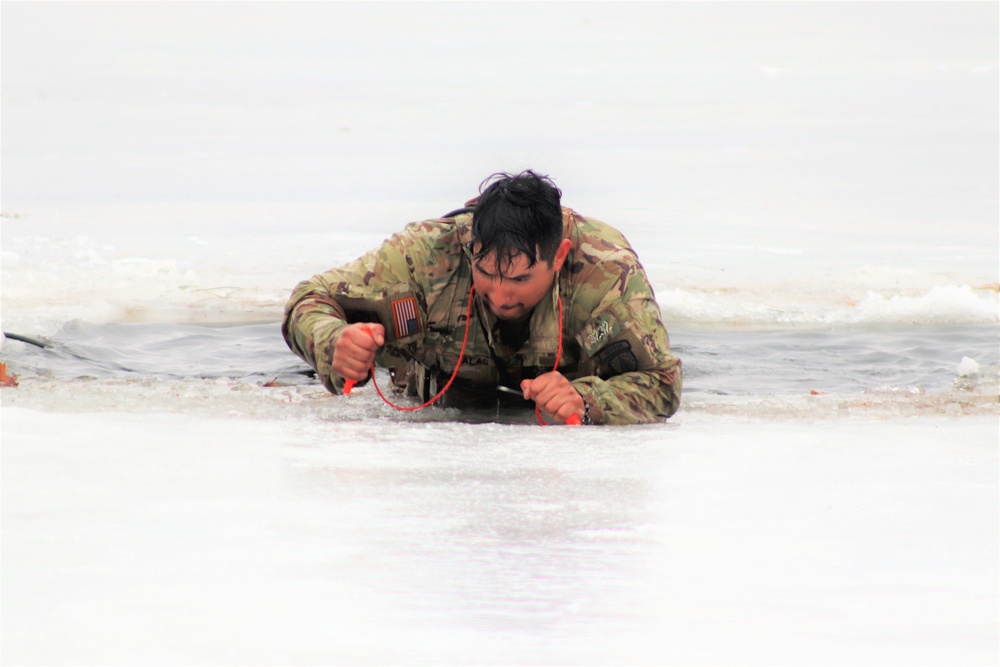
(554, 394)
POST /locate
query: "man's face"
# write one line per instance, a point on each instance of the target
(521, 287)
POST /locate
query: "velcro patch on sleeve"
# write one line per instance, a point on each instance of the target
(399, 314)
(405, 317)
(618, 357)
(603, 328)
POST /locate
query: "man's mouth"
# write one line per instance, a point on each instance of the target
(507, 310)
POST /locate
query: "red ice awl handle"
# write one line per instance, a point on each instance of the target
(572, 420)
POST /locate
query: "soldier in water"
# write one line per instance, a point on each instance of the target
(513, 294)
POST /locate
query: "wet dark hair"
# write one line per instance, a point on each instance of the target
(517, 214)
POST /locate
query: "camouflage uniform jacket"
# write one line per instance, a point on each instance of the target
(417, 284)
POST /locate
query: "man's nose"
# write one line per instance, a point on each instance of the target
(500, 292)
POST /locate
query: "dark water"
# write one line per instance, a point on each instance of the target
(847, 360)
(163, 351)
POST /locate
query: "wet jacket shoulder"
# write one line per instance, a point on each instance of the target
(626, 371)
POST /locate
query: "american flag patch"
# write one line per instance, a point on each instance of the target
(404, 317)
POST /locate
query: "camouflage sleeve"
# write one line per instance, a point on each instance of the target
(624, 345)
(315, 314)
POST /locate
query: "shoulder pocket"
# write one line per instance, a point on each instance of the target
(610, 344)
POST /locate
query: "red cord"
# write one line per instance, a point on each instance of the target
(573, 420)
(454, 374)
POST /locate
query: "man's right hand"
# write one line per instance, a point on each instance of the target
(355, 351)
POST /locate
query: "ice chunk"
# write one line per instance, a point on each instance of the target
(968, 367)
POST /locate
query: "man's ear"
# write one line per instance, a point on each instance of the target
(562, 252)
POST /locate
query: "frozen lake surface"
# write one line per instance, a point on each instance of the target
(811, 187)
(180, 539)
